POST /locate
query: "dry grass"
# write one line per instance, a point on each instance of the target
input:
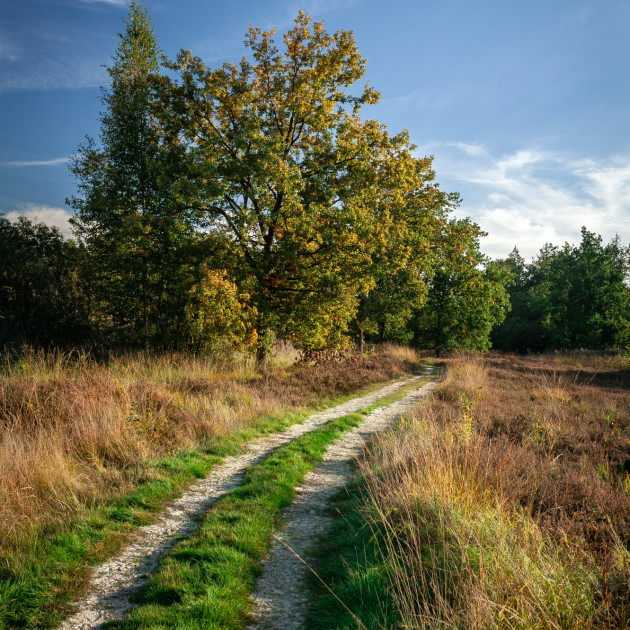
(74, 431)
(505, 501)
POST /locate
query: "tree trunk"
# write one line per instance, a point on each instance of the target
(145, 263)
(263, 347)
(261, 358)
(361, 341)
(145, 312)
(438, 335)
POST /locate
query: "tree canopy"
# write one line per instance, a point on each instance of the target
(226, 207)
(44, 298)
(568, 297)
(143, 243)
(466, 296)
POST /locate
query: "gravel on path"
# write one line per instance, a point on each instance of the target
(282, 596)
(115, 581)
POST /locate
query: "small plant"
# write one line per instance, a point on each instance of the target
(538, 434)
(611, 419)
(149, 423)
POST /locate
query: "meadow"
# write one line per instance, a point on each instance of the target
(91, 449)
(503, 502)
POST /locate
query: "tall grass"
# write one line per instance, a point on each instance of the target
(504, 502)
(74, 430)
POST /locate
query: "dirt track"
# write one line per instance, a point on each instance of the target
(116, 580)
(281, 594)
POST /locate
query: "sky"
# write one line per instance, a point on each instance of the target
(525, 106)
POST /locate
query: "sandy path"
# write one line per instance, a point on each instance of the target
(281, 594)
(116, 580)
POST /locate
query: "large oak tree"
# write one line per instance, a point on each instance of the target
(284, 167)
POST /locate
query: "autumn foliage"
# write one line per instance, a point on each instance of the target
(227, 207)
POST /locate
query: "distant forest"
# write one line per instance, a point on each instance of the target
(225, 208)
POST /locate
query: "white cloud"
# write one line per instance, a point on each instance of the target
(469, 149)
(609, 182)
(49, 215)
(53, 73)
(576, 20)
(8, 51)
(318, 7)
(20, 163)
(118, 2)
(532, 196)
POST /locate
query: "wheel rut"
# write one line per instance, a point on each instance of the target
(282, 596)
(114, 582)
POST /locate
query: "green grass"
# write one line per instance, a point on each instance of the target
(52, 570)
(206, 580)
(404, 390)
(429, 539)
(48, 573)
(350, 564)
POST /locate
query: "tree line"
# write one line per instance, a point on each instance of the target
(224, 208)
(575, 296)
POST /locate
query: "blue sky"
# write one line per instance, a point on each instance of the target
(525, 106)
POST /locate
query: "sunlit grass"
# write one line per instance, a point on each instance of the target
(501, 503)
(79, 436)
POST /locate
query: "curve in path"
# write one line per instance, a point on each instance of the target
(281, 596)
(116, 580)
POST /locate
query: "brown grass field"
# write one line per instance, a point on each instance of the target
(74, 431)
(505, 501)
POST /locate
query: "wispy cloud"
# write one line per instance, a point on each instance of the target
(50, 51)
(53, 73)
(20, 163)
(8, 50)
(118, 2)
(49, 215)
(325, 6)
(532, 196)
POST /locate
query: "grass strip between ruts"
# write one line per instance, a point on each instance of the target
(54, 568)
(206, 581)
